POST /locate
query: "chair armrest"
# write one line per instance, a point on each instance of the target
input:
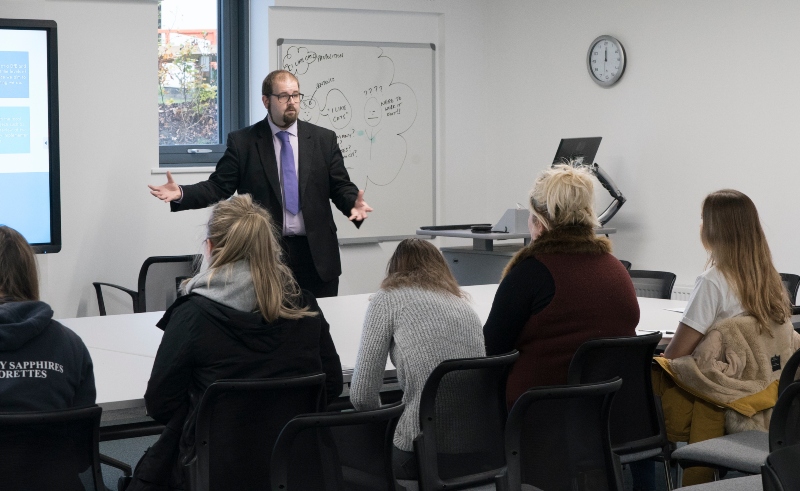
(126, 469)
(501, 480)
(795, 309)
(101, 304)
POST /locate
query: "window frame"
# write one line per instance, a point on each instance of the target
(233, 27)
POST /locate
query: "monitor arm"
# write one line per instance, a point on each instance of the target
(612, 189)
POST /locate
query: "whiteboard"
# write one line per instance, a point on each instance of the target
(379, 99)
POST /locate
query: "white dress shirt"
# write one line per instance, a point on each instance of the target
(292, 224)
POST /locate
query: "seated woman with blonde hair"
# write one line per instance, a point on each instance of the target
(561, 290)
(243, 316)
(721, 368)
(420, 317)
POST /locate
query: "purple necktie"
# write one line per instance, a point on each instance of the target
(288, 175)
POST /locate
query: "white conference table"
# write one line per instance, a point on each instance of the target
(123, 347)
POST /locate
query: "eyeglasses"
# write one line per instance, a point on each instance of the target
(284, 98)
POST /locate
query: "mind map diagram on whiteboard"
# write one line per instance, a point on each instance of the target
(362, 101)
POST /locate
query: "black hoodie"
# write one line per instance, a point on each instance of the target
(43, 365)
(205, 341)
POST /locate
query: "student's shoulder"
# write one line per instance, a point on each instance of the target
(66, 336)
(528, 270)
(712, 277)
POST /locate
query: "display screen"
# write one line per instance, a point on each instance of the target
(29, 157)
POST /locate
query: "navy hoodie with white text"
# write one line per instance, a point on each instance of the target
(44, 366)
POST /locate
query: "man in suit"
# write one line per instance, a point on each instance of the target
(293, 169)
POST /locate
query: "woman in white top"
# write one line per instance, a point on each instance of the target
(741, 279)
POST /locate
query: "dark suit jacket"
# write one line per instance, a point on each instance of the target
(249, 166)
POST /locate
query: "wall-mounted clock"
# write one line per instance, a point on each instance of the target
(606, 60)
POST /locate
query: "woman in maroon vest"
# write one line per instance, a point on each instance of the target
(563, 289)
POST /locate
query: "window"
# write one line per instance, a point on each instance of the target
(202, 78)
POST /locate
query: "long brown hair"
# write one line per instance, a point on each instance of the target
(239, 229)
(418, 263)
(19, 279)
(732, 234)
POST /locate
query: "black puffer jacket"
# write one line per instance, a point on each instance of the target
(205, 341)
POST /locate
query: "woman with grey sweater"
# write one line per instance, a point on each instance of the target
(419, 317)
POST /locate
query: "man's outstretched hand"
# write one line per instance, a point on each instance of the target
(360, 208)
(171, 191)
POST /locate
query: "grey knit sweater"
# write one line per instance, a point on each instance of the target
(419, 329)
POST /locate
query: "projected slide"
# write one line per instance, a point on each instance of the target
(24, 122)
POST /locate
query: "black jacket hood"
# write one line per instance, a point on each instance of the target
(22, 321)
(249, 328)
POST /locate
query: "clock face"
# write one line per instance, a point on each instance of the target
(606, 60)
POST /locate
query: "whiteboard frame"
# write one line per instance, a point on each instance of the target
(327, 42)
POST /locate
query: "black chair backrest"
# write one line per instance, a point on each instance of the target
(636, 424)
(158, 277)
(653, 284)
(784, 425)
(781, 471)
(353, 450)
(789, 373)
(557, 438)
(627, 264)
(462, 413)
(54, 450)
(238, 422)
(792, 283)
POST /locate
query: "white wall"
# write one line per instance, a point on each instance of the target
(450, 26)
(709, 100)
(107, 71)
(109, 134)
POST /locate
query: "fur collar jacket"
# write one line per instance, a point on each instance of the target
(573, 239)
(737, 367)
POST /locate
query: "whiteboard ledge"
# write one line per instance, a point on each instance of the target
(375, 240)
(184, 170)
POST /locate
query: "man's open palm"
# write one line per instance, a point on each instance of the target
(360, 208)
(169, 191)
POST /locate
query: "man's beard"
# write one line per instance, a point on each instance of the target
(289, 117)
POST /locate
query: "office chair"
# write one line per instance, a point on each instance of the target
(51, 450)
(462, 412)
(653, 284)
(557, 437)
(157, 284)
(637, 424)
(781, 469)
(627, 264)
(792, 284)
(238, 422)
(746, 451)
(309, 436)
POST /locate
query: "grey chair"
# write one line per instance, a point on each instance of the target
(462, 413)
(557, 438)
(747, 451)
(157, 287)
(781, 470)
(747, 483)
(637, 423)
(360, 459)
(653, 284)
(792, 284)
(238, 423)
